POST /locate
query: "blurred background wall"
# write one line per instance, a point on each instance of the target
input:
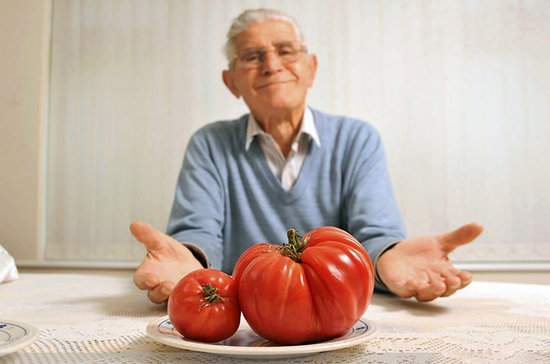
(100, 98)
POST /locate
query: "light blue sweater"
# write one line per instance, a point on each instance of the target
(227, 198)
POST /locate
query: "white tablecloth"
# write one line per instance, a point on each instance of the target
(99, 317)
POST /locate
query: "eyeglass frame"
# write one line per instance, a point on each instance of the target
(262, 52)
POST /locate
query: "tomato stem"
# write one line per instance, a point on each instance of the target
(295, 246)
(210, 294)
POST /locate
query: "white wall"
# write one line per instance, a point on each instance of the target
(24, 43)
(458, 90)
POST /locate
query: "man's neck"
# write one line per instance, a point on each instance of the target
(283, 127)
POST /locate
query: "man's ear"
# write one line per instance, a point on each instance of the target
(312, 64)
(227, 77)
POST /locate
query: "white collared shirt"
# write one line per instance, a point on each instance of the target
(285, 169)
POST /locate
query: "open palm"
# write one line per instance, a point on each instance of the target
(165, 263)
(420, 267)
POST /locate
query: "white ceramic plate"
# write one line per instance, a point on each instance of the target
(245, 343)
(15, 335)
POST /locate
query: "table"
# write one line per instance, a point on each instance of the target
(99, 317)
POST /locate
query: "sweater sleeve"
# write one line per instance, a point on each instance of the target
(197, 215)
(373, 216)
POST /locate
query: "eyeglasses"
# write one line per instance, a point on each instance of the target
(255, 57)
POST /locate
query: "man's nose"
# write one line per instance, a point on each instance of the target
(271, 63)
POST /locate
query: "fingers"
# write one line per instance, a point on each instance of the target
(403, 289)
(463, 235)
(424, 286)
(452, 281)
(465, 278)
(429, 285)
(147, 235)
(160, 293)
(145, 280)
(430, 289)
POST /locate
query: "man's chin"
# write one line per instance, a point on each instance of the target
(283, 99)
(282, 105)
(275, 103)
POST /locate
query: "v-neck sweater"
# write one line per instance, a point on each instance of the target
(227, 198)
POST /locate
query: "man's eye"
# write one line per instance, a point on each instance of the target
(251, 57)
(285, 51)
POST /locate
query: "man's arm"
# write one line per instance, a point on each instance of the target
(197, 214)
(373, 216)
(195, 226)
(417, 267)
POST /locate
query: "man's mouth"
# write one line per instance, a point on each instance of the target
(271, 84)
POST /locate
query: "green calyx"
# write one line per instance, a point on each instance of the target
(295, 246)
(210, 294)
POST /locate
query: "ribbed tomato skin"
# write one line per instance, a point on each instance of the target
(318, 298)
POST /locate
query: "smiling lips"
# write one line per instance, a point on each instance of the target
(272, 83)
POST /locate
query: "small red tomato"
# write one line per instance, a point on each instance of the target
(204, 306)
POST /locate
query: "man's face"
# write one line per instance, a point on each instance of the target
(271, 72)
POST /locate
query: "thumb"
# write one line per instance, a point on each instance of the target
(150, 237)
(463, 235)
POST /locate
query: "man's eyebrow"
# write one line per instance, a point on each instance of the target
(251, 49)
(276, 44)
(284, 43)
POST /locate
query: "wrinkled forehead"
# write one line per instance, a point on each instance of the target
(268, 33)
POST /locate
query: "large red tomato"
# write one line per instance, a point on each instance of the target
(313, 288)
(204, 306)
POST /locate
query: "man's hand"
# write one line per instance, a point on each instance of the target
(420, 267)
(166, 261)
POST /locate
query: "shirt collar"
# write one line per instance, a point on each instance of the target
(307, 127)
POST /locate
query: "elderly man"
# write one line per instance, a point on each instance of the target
(287, 165)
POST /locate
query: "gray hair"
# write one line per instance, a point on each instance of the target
(249, 17)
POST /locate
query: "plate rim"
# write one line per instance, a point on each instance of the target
(285, 350)
(33, 334)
